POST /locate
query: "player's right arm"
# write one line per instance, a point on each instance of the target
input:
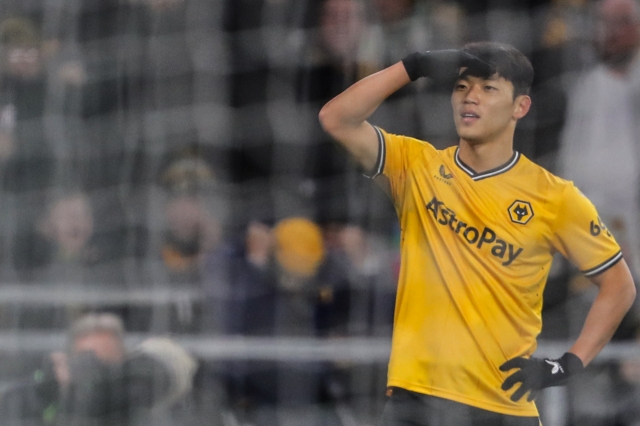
(345, 116)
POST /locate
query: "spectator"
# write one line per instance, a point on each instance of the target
(246, 25)
(78, 384)
(70, 245)
(563, 48)
(22, 49)
(25, 155)
(372, 278)
(193, 215)
(96, 381)
(599, 153)
(142, 83)
(192, 232)
(189, 171)
(315, 172)
(288, 263)
(279, 282)
(177, 222)
(598, 147)
(168, 75)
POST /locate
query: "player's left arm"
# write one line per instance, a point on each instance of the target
(585, 238)
(583, 241)
(616, 293)
(615, 296)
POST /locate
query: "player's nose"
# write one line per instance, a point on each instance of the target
(472, 94)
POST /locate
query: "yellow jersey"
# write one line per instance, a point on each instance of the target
(476, 249)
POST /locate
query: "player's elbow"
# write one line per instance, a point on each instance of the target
(329, 119)
(632, 291)
(629, 286)
(627, 292)
(630, 296)
(617, 284)
(335, 122)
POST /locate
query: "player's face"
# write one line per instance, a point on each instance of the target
(485, 110)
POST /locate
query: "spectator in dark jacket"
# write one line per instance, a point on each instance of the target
(280, 281)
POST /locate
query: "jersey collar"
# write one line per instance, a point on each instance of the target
(493, 172)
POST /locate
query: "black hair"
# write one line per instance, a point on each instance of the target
(505, 60)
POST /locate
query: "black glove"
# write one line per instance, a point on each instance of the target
(443, 66)
(536, 373)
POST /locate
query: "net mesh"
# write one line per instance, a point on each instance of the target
(151, 151)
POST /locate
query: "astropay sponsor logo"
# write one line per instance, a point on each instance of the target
(479, 238)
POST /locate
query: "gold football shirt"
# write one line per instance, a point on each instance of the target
(476, 249)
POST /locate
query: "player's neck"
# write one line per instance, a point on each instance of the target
(485, 156)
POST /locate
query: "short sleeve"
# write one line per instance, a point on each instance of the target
(395, 156)
(380, 161)
(581, 236)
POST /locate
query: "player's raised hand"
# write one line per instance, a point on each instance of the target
(442, 66)
(535, 374)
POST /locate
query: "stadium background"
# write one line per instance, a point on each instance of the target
(155, 151)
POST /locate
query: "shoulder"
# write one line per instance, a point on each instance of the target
(552, 192)
(408, 143)
(561, 196)
(543, 179)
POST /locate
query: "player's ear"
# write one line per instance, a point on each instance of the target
(522, 105)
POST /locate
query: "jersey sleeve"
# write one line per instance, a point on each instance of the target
(395, 156)
(582, 237)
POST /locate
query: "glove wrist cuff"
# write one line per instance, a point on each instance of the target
(572, 363)
(411, 65)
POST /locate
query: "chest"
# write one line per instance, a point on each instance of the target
(500, 217)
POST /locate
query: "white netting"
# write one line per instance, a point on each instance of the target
(150, 148)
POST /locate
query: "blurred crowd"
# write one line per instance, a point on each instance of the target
(150, 144)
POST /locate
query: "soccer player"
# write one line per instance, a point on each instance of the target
(480, 224)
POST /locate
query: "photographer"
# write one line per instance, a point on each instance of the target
(97, 382)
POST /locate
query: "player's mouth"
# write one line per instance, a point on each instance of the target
(469, 117)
